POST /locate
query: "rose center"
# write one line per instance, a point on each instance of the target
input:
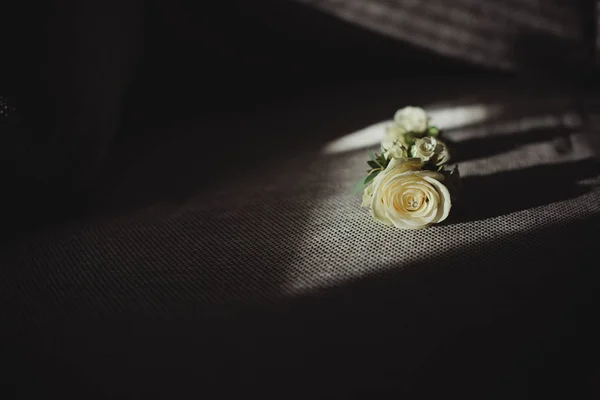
(412, 202)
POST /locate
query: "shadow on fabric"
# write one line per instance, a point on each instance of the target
(502, 193)
(509, 325)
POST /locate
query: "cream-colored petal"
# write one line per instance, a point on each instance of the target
(445, 202)
(378, 206)
(442, 155)
(399, 166)
(367, 195)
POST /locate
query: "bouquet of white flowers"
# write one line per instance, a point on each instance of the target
(408, 185)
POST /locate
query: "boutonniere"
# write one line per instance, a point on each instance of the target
(407, 184)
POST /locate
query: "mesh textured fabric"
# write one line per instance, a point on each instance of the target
(279, 280)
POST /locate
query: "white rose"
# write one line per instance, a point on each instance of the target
(409, 164)
(431, 150)
(409, 198)
(412, 119)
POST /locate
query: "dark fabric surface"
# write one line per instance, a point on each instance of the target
(221, 253)
(271, 280)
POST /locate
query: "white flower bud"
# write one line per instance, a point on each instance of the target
(412, 119)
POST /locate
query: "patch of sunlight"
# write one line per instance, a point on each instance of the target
(446, 117)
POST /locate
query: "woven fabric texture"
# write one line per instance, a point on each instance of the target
(277, 279)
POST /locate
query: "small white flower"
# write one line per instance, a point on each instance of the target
(393, 134)
(407, 197)
(412, 119)
(396, 150)
(409, 123)
(431, 150)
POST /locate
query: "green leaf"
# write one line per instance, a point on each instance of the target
(368, 180)
(382, 161)
(373, 164)
(373, 156)
(360, 186)
(364, 182)
(371, 176)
